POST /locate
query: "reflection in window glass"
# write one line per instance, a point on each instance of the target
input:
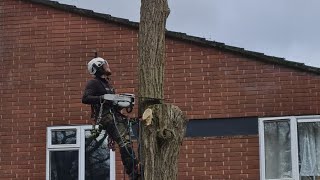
(64, 165)
(277, 149)
(309, 150)
(97, 157)
(63, 136)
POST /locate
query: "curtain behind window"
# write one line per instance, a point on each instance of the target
(277, 149)
(309, 148)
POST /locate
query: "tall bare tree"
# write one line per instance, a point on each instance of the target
(161, 138)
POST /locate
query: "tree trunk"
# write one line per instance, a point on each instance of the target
(153, 16)
(161, 140)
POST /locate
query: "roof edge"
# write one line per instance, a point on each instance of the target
(180, 36)
(253, 54)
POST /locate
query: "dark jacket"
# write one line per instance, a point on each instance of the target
(94, 90)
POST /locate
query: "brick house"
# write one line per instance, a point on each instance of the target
(226, 92)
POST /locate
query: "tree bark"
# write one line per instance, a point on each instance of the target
(160, 141)
(153, 16)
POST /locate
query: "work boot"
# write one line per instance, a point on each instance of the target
(134, 176)
(136, 172)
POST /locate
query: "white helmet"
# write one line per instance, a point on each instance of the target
(95, 64)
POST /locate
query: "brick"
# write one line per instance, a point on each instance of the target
(53, 47)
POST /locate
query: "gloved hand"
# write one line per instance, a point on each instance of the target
(101, 98)
(108, 97)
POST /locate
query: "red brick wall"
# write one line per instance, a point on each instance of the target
(208, 83)
(220, 158)
(44, 51)
(205, 158)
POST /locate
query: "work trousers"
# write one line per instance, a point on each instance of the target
(117, 127)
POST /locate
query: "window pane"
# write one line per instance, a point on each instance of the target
(97, 160)
(277, 149)
(64, 136)
(64, 165)
(309, 149)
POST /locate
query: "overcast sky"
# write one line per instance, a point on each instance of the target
(283, 28)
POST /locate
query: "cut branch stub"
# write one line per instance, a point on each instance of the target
(147, 116)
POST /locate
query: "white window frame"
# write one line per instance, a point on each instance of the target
(57, 146)
(80, 146)
(293, 120)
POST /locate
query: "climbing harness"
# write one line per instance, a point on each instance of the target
(95, 132)
(125, 101)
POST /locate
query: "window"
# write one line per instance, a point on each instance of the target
(290, 148)
(73, 154)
